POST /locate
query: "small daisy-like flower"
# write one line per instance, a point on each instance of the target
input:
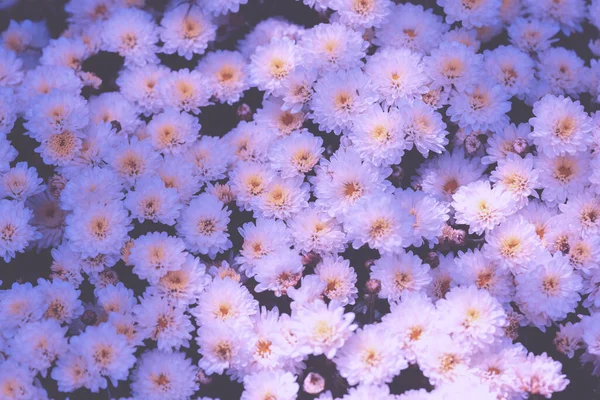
(339, 278)
(203, 225)
(423, 128)
(131, 33)
(226, 301)
(279, 271)
(397, 74)
(473, 316)
(442, 176)
(361, 13)
(210, 157)
(156, 253)
(222, 347)
(560, 126)
(283, 198)
(139, 85)
(272, 63)
(261, 239)
(549, 291)
(11, 73)
(471, 13)
(532, 35)
(113, 106)
(159, 375)
(400, 274)
(332, 47)
(160, 321)
(296, 90)
(481, 207)
(105, 352)
(514, 244)
(517, 176)
(296, 154)
(133, 160)
(183, 286)
(315, 230)
(153, 201)
(15, 232)
(512, 139)
(185, 90)
(563, 175)
(583, 213)
(171, 132)
(476, 268)
(453, 64)
(219, 7)
(322, 328)
(443, 359)
(98, 229)
(379, 223)
(227, 74)
(569, 14)
(511, 68)
(413, 27)
(20, 182)
(273, 116)
(250, 141)
(277, 384)
(560, 72)
(186, 31)
(540, 375)
(430, 215)
(482, 107)
(339, 97)
(377, 136)
(56, 113)
(250, 180)
(370, 357)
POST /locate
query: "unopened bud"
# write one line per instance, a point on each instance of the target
(313, 383)
(244, 112)
(89, 317)
(373, 286)
(433, 259)
(311, 259)
(520, 146)
(472, 144)
(56, 184)
(459, 236)
(202, 378)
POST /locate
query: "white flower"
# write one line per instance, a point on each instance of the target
(272, 63)
(203, 225)
(186, 31)
(475, 13)
(481, 207)
(370, 356)
(322, 328)
(160, 375)
(276, 384)
(400, 274)
(156, 253)
(339, 278)
(225, 300)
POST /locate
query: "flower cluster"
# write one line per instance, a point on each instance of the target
(413, 189)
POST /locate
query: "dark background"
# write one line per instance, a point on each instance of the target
(218, 120)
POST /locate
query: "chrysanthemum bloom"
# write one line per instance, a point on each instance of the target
(131, 33)
(160, 375)
(569, 14)
(472, 13)
(185, 90)
(443, 359)
(332, 47)
(339, 278)
(296, 154)
(453, 65)
(156, 253)
(582, 212)
(172, 132)
(430, 215)
(481, 207)
(560, 126)
(225, 300)
(315, 230)
(370, 357)
(261, 239)
(473, 317)
(560, 176)
(279, 271)
(423, 128)
(227, 74)
(322, 328)
(413, 27)
(272, 63)
(185, 30)
(541, 375)
(153, 201)
(518, 177)
(277, 384)
(549, 291)
(160, 321)
(203, 225)
(441, 176)
(482, 107)
(339, 97)
(400, 274)
(379, 223)
(361, 13)
(139, 85)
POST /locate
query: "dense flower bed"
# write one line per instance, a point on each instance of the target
(277, 200)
